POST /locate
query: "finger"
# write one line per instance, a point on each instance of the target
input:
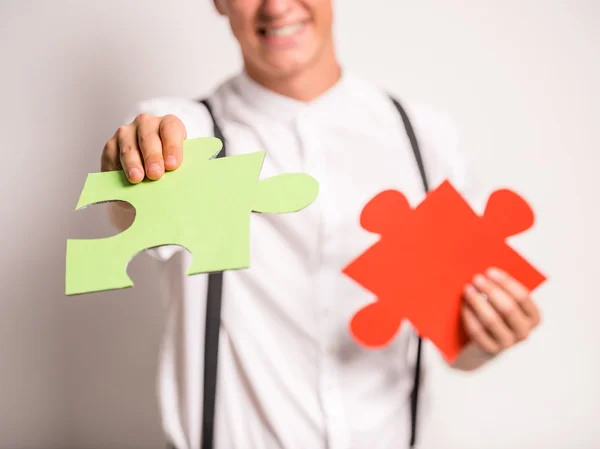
(110, 156)
(476, 332)
(150, 145)
(172, 134)
(488, 317)
(518, 291)
(506, 306)
(129, 153)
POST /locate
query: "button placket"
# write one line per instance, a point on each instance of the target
(313, 165)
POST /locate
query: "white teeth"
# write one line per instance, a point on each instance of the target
(284, 31)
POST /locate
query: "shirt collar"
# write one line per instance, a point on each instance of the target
(281, 107)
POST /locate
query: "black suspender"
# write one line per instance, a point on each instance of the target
(211, 334)
(213, 311)
(414, 397)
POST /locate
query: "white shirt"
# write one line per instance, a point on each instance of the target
(290, 374)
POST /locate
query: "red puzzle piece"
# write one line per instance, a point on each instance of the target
(425, 257)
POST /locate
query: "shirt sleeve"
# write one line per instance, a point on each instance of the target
(197, 122)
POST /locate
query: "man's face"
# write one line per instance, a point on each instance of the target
(279, 37)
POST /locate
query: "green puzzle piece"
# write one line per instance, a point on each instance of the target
(204, 206)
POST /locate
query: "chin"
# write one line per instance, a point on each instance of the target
(287, 68)
(288, 64)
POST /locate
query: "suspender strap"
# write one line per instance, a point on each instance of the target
(413, 142)
(414, 397)
(211, 333)
(213, 310)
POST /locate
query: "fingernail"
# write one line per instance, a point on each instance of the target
(469, 289)
(171, 162)
(135, 174)
(478, 280)
(493, 273)
(154, 170)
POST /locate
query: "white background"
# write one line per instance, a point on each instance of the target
(519, 77)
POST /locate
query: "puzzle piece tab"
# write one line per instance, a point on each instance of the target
(425, 257)
(204, 206)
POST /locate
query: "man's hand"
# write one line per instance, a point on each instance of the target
(498, 312)
(145, 148)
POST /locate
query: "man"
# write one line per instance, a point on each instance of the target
(289, 374)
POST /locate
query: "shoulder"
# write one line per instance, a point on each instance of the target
(191, 112)
(438, 138)
(444, 156)
(435, 130)
(433, 127)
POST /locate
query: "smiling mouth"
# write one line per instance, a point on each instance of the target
(282, 31)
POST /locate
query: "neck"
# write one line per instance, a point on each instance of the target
(303, 85)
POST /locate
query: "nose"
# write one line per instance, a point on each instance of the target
(272, 9)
